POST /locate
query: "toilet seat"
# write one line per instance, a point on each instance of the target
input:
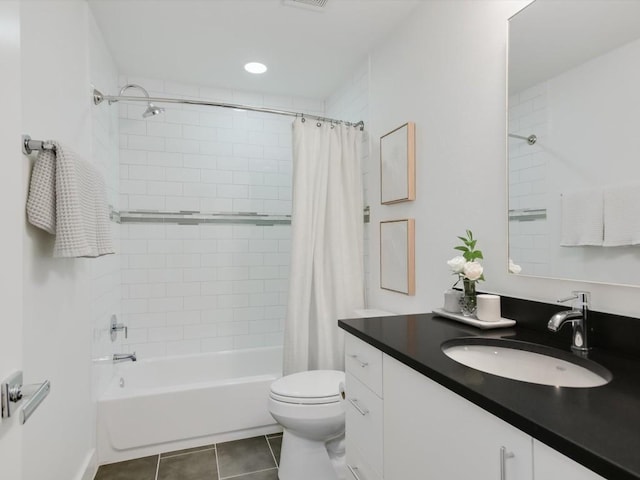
(305, 401)
(308, 388)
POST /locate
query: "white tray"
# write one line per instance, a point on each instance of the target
(502, 323)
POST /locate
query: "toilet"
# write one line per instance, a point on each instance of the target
(309, 407)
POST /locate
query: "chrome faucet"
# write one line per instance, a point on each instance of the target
(577, 316)
(119, 357)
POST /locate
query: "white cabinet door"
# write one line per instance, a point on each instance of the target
(548, 464)
(431, 433)
(364, 362)
(364, 409)
(364, 413)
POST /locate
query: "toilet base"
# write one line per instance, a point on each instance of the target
(301, 458)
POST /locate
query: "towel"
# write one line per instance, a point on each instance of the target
(67, 197)
(622, 216)
(582, 218)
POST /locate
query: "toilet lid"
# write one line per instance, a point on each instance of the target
(312, 387)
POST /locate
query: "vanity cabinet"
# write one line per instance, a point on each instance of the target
(364, 410)
(434, 434)
(548, 464)
(401, 425)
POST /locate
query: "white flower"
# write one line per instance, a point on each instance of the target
(457, 264)
(513, 268)
(472, 271)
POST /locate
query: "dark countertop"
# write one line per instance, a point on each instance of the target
(597, 427)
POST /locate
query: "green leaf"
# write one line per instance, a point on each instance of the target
(463, 239)
(470, 234)
(468, 256)
(461, 248)
(472, 244)
(477, 254)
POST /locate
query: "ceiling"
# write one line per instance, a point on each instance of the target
(549, 37)
(309, 53)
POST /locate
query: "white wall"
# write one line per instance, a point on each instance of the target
(60, 301)
(208, 287)
(12, 213)
(445, 69)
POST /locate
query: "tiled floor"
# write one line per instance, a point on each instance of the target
(249, 459)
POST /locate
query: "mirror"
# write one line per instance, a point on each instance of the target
(574, 140)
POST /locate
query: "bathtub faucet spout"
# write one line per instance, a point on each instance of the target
(119, 357)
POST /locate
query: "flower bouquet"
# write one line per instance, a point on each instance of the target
(469, 270)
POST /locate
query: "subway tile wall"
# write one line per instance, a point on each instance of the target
(528, 185)
(209, 287)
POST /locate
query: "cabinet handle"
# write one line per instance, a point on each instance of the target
(504, 455)
(356, 405)
(362, 364)
(355, 472)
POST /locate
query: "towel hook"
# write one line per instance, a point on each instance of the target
(29, 146)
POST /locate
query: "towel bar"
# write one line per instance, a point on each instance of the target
(29, 146)
(34, 400)
(12, 391)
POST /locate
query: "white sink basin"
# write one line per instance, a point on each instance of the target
(527, 362)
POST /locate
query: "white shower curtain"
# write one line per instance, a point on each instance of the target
(326, 279)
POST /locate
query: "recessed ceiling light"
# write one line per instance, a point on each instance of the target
(255, 67)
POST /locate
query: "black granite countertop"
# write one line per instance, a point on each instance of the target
(597, 427)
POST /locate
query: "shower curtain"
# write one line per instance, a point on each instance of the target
(326, 279)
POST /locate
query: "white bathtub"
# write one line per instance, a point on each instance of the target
(165, 404)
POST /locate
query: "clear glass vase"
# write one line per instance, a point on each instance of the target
(469, 301)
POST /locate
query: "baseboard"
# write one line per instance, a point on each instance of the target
(89, 467)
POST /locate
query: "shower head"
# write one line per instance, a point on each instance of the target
(151, 108)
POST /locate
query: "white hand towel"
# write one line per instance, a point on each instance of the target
(582, 218)
(67, 197)
(622, 216)
(41, 204)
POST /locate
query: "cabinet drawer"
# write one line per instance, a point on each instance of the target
(364, 419)
(364, 362)
(357, 467)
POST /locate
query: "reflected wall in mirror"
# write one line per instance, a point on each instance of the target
(574, 194)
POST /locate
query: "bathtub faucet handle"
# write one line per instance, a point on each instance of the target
(116, 327)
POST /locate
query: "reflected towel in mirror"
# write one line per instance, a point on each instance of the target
(622, 216)
(582, 218)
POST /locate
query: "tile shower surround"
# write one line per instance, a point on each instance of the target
(198, 288)
(528, 185)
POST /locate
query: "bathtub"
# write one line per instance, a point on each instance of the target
(164, 404)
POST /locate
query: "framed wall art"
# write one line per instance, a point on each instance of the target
(398, 165)
(397, 256)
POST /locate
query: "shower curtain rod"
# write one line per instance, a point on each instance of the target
(99, 97)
